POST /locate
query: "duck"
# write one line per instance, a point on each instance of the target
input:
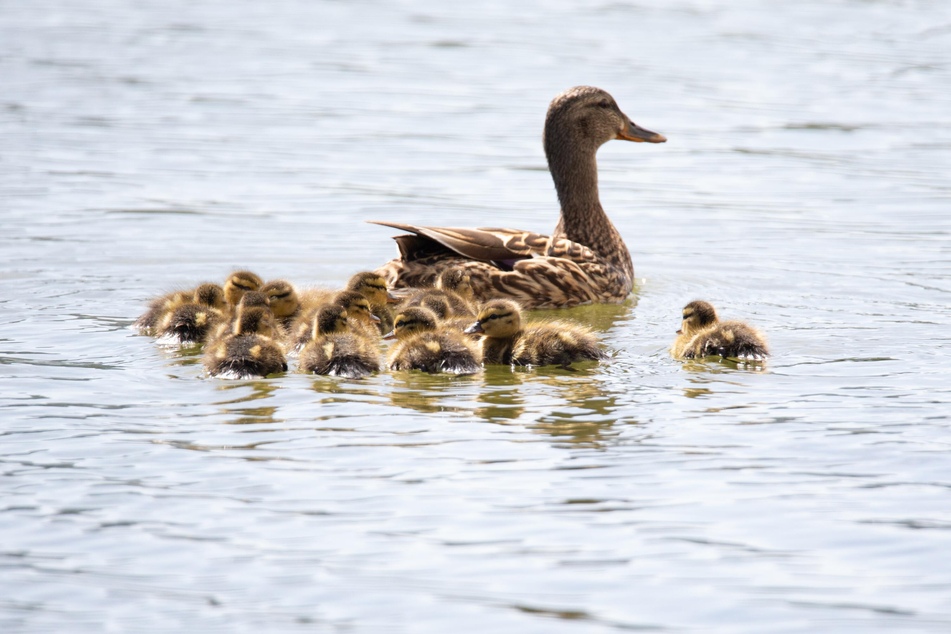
(334, 350)
(422, 345)
(506, 341)
(362, 320)
(702, 334)
(249, 350)
(583, 261)
(238, 283)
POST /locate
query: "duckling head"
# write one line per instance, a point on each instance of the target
(357, 305)
(331, 319)
(253, 299)
(210, 295)
(697, 315)
(456, 280)
(498, 319)
(412, 320)
(372, 286)
(238, 284)
(256, 320)
(433, 299)
(589, 117)
(283, 298)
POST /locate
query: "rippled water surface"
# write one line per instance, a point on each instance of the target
(806, 187)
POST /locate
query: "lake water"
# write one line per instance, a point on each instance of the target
(805, 187)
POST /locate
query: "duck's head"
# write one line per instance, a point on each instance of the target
(210, 295)
(697, 315)
(356, 305)
(283, 298)
(331, 319)
(372, 286)
(412, 320)
(253, 299)
(255, 320)
(498, 319)
(238, 284)
(588, 117)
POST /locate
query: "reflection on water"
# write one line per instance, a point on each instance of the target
(804, 186)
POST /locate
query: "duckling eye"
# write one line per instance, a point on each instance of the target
(604, 103)
(281, 296)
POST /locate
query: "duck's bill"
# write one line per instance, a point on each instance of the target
(389, 336)
(636, 133)
(475, 328)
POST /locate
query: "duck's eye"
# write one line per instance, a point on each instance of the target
(604, 103)
(281, 296)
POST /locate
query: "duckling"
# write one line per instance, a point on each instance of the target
(335, 351)
(421, 345)
(505, 341)
(190, 323)
(457, 283)
(373, 286)
(284, 301)
(361, 318)
(249, 351)
(702, 334)
(158, 309)
(451, 311)
(238, 284)
(211, 295)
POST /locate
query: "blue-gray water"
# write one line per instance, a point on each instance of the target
(806, 187)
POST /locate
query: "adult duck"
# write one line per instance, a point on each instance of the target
(584, 261)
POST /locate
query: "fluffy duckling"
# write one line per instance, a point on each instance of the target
(361, 319)
(702, 334)
(506, 341)
(249, 351)
(238, 284)
(159, 308)
(451, 311)
(191, 322)
(373, 286)
(284, 301)
(335, 351)
(457, 283)
(421, 345)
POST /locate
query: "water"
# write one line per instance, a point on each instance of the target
(805, 187)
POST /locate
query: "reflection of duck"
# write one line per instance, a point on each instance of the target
(505, 341)
(702, 334)
(335, 350)
(583, 261)
(422, 345)
(249, 350)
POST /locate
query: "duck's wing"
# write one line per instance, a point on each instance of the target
(500, 246)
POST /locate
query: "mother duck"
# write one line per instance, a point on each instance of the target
(584, 261)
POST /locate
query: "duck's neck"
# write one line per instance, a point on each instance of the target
(582, 218)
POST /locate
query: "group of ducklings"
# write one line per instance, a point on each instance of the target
(249, 327)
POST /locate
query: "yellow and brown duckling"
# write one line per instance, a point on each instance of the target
(159, 308)
(334, 350)
(250, 350)
(421, 344)
(702, 334)
(284, 301)
(506, 341)
(457, 283)
(361, 318)
(238, 283)
(193, 321)
(373, 286)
